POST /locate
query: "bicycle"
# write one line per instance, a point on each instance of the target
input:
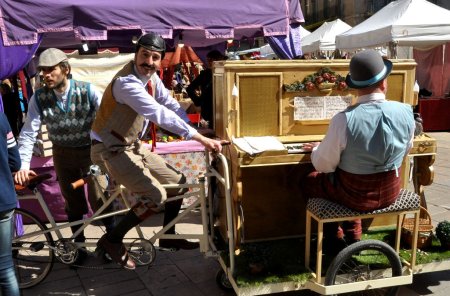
(36, 244)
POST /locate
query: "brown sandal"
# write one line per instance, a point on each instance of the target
(117, 252)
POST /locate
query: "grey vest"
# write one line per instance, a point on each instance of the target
(377, 137)
(71, 127)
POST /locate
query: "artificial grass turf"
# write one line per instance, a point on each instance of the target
(283, 260)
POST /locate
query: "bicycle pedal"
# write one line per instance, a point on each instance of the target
(36, 246)
(165, 249)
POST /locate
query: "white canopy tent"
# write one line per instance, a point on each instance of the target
(323, 38)
(416, 23)
(265, 51)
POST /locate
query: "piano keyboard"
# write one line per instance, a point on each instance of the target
(294, 148)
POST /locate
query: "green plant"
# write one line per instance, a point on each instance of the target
(443, 232)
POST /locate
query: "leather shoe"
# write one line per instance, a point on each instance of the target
(117, 251)
(178, 244)
(332, 246)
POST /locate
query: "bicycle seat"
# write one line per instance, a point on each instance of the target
(33, 182)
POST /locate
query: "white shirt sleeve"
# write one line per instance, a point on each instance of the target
(327, 155)
(130, 90)
(28, 133)
(163, 97)
(96, 96)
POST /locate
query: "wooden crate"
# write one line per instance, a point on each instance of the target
(43, 146)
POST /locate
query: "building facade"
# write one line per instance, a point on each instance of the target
(352, 12)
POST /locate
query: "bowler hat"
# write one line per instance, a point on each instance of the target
(51, 57)
(367, 68)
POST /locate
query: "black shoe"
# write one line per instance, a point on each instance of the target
(178, 244)
(116, 251)
(332, 246)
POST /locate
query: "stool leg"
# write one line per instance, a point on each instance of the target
(414, 240)
(319, 251)
(398, 232)
(308, 238)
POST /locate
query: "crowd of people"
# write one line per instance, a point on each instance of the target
(357, 163)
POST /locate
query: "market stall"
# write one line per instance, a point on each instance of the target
(322, 40)
(115, 24)
(403, 23)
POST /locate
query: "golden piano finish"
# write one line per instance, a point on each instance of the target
(265, 188)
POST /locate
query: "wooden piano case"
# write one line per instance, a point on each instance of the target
(250, 100)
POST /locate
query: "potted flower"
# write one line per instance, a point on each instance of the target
(443, 233)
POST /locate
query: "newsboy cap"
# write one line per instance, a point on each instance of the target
(367, 68)
(51, 57)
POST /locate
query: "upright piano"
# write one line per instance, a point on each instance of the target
(274, 98)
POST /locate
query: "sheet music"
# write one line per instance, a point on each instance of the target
(318, 108)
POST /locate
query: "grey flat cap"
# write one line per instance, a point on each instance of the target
(51, 57)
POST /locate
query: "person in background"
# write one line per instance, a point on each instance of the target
(9, 163)
(135, 97)
(358, 162)
(11, 106)
(67, 107)
(201, 88)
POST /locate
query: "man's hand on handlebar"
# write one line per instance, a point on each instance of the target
(210, 144)
(22, 177)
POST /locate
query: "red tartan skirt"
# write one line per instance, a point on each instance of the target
(358, 192)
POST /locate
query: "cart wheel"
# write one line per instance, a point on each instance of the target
(222, 281)
(355, 263)
(142, 252)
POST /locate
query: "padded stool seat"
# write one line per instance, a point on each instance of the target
(323, 211)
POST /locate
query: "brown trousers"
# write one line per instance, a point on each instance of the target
(70, 165)
(140, 171)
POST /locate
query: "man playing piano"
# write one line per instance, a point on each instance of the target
(358, 162)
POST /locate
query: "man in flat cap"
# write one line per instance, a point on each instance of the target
(67, 107)
(135, 97)
(358, 162)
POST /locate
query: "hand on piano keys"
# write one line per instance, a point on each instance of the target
(293, 148)
(308, 147)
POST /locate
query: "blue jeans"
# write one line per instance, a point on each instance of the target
(8, 280)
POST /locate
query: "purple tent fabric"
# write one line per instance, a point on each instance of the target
(15, 58)
(114, 22)
(287, 47)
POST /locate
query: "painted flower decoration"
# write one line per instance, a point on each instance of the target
(324, 79)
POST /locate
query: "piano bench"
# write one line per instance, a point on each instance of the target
(323, 211)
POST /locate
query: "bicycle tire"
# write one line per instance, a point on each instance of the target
(347, 268)
(33, 259)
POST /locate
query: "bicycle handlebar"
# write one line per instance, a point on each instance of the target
(78, 183)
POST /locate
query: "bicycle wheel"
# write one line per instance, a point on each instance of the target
(32, 255)
(362, 261)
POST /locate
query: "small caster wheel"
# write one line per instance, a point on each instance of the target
(222, 281)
